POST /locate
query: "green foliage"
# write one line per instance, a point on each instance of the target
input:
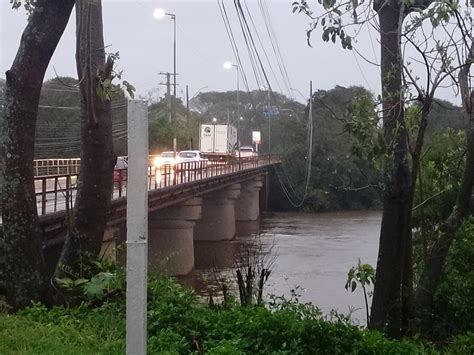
(337, 175)
(463, 344)
(185, 127)
(364, 275)
(437, 186)
(454, 306)
(105, 88)
(293, 304)
(80, 330)
(98, 281)
(365, 134)
(29, 5)
(179, 323)
(444, 115)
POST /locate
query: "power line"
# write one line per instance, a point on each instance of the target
(288, 192)
(233, 44)
(262, 46)
(253, 51)
(274, 43)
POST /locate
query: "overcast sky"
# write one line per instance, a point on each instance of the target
(146, 47)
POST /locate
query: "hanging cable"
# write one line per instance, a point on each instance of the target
(269, 28)
(290, 192)
(262, 46)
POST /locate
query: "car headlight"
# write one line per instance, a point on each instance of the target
(157, 162)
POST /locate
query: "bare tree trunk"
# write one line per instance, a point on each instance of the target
(24, 271)
(433, 269)
(97, 156)
(394, 258)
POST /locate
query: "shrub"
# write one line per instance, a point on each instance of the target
(454, 307)
(178, 323)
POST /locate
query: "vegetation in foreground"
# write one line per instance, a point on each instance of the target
(178, 323)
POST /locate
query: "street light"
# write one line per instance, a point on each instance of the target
(229, 65)
(159, 14)
(238, 136)
(269, 114)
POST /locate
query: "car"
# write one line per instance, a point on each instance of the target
(120, 169)
(165, 158)
(245, 152)
(187, 156)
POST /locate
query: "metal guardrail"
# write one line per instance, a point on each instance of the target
(55, 167)
(58, 192)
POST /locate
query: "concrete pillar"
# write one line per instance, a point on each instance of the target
(218, 215)
(170, 241)
(247, 206)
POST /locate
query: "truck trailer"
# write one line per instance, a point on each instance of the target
(217, 141)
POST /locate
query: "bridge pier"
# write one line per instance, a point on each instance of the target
(218, 215)
(170, 237)
(247, 207)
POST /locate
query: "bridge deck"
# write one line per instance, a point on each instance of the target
(167, 186)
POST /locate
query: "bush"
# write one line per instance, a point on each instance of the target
(178, 323)
(454, 306)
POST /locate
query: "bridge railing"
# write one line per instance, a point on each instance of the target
(54, 167)
(58, 192)
(55, 193)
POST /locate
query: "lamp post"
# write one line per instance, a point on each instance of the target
(159, 14)
(229, 65)
(269, 114)
(238, 137)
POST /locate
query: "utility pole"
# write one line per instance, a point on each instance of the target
(187, 99)
(187, 117)
(269, 129)
(137, 228)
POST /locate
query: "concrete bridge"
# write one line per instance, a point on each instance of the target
(199, 201)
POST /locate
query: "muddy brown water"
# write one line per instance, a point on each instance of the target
(311, 255)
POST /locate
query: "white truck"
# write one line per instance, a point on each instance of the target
(217, 141)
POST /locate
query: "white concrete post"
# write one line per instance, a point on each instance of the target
(137, 227)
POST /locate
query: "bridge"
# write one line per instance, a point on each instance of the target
(192, 201)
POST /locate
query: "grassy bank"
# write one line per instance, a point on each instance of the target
(179, 324)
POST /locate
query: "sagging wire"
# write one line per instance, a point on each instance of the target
(294, 200)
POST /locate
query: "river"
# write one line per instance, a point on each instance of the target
(311, 255)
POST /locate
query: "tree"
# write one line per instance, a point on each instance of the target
(393, 293)
(185, 126)
(251, 105)
(97, 155)
(24, 272)
(433, 269)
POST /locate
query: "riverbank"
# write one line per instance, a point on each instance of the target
(178, 323)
